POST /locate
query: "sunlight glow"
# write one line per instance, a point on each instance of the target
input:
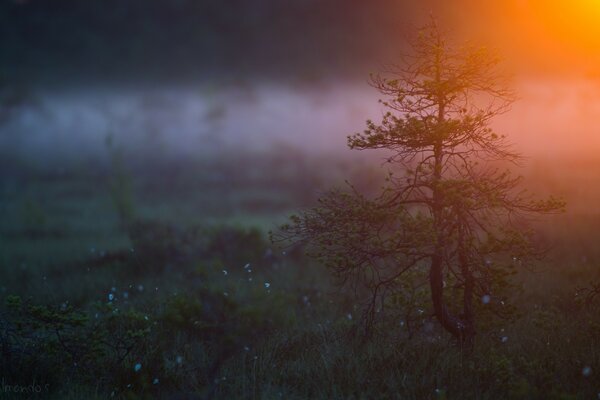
(574, 22)
(542, 36)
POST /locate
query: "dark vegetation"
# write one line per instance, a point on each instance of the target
(208, 307)
(72, 41)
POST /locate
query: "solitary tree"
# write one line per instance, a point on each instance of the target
(449, 206)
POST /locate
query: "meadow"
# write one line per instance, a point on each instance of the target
(149, 149)
(158, 280)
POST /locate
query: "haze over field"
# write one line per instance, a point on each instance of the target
(80, 73)
(550, 119)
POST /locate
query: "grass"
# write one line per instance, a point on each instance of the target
(86, 301)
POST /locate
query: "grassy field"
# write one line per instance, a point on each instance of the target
(191, 300)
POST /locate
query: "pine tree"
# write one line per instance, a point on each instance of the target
(450, 205)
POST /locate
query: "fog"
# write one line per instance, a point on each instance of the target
(551, 118)
(194, 81)
(193, 121)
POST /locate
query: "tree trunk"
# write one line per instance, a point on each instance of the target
(462, 330)
(456, 326)
(468, 315)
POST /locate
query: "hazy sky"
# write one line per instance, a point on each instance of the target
(65, 41)
(537, 37)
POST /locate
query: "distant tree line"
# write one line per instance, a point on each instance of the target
(116, 39)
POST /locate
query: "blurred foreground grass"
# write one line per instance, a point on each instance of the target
(192, 301)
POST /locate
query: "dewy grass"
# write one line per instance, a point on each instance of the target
(196, 331)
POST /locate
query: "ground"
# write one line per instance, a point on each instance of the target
(191, 300)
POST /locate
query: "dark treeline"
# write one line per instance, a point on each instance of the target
(67, 40)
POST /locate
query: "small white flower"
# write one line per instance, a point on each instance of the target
(267, 284)
(155, 381)
(137, 367)
(586, 371)
(504, 339)
(485, 299)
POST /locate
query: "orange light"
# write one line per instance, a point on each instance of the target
(542, 35)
